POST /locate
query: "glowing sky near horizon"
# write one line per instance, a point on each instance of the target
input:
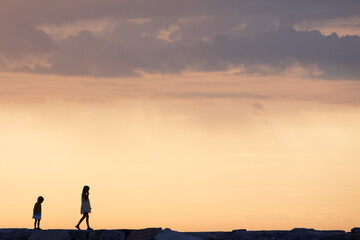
(195, 118)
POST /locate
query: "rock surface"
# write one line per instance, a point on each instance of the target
(112, 235)
(50, 234)
(144, 234)
(168, 234)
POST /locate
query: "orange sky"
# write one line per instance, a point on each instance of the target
(283, 155)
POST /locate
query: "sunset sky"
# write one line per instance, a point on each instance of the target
(199, 115)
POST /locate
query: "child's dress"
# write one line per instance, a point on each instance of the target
(85, 205)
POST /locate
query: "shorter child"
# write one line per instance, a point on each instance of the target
(37, 212)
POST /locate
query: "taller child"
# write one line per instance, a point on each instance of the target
(85, 207)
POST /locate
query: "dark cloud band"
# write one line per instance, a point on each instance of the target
(170, 37)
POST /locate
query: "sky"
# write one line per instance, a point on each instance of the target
(203, 115)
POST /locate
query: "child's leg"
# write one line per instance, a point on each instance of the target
(81, 219)
(38, 224)
(87, 220)
(35, 223)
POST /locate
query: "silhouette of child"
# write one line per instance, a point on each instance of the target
(37, 213)
(85, 207)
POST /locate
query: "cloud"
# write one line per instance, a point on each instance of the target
(289, 11)
(61, 32)
(168, 34)
(87, 55)
(22, 45)
(329, 57)
(120, 38)
(210, 95)
(337, 57)
(342, 26)
(258, 106)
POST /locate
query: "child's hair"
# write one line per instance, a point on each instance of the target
(85, 189)
(40, 199)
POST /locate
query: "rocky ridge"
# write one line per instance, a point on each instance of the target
(168, 234)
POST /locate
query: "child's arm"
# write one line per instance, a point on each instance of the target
(86, 196)
(37, 208)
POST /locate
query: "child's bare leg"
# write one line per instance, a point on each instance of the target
(35, 223)
(38, 224)
(82, 218)
(87, 220)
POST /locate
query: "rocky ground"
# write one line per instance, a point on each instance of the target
(168, 234)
